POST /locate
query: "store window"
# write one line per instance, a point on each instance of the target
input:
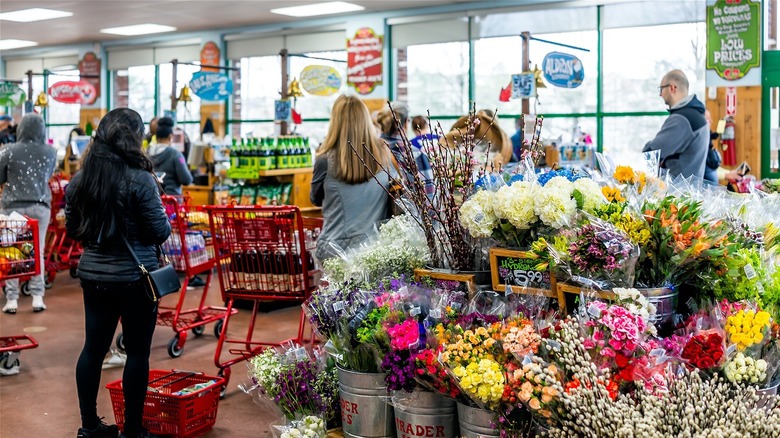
(187, 113)
(257, 81)
(624, 137)
(62, 117)
(437, 78)
(315, 110)
(133, 88)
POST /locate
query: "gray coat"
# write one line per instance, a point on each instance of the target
(27, 165)
(349, 211)
(683, 140)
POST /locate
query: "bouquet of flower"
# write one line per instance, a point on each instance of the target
(309, 426)
(534, 385)
(399, 363)
(748, 328)
(745, 369)
(519, 337)
(705, 349)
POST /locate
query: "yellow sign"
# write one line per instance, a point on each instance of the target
(320, 80)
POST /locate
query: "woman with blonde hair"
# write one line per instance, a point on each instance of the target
(348, 181)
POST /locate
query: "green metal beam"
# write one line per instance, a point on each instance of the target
(599, 80)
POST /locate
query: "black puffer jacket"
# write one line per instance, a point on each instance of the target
(145, 225)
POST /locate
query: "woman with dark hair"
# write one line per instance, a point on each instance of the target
(113, 203)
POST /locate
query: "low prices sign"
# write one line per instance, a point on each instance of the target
(733, 38)
(10, 94)
(364, 60)
(81, 92)
(211, 86)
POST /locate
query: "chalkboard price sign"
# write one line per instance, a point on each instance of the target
(518, 269)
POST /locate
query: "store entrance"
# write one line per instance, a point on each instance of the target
(770, 123)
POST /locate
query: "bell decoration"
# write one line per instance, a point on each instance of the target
(538, 77)
(42, 100)
(184, 94)
(295, 90)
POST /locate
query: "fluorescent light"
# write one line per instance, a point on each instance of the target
(138, 29)
(34, 14)
(318, 9)
(16, 44)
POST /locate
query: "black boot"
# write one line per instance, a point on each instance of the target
(102, 431)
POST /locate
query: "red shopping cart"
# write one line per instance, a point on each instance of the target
(263, 253)
(190, 250)
(19, 246)
(61, 252)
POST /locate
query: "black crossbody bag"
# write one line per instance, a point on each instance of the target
(162, 281)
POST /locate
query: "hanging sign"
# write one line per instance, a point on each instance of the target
(731, 101)
(81, 92)
(11, 94)
(523, 86)
(89, 68)
(733, 38)
(281, 110)
(364, 60)
(563, 70)
(209, 55)
(320, 80)
(211, 86)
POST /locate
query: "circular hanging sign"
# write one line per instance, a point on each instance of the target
(320, 80)
(81, 92)
(563, 70)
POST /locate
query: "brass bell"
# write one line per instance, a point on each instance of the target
(538, 77)
(42, 100)
(184, 94)
(295, 90)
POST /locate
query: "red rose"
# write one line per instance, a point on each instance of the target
(705, 363)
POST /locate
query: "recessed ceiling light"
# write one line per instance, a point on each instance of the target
(318, 9)
(138, 29)
(16, 44)
(34, 14)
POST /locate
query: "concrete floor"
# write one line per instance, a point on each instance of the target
(41, 401)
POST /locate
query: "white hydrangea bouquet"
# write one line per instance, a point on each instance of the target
(308, 427)
(518, 214)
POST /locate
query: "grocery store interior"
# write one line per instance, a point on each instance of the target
(244, 80)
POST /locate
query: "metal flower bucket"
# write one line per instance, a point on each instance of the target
(768, 395)
(476, 422)
(665, 301)
(424, 414)
(364, 410)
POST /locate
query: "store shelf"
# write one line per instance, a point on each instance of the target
(282, 172)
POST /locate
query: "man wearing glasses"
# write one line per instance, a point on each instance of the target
(684, 137)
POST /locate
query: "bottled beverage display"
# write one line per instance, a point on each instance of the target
(270, 269)
(250, 155)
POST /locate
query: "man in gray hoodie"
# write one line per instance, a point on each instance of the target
(684, 137)
(25, 168)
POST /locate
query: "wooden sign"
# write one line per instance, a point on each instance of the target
(518, 271)
(448, 280)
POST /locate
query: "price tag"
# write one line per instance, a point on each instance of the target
(731, 350)
(750, 272)
(594, 311)
(657, 352)
(435, 313)
(414, 311)
(338, 306)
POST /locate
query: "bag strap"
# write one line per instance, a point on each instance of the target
(135, 257)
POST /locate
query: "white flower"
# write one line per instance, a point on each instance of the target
(515, 203)
(477, 216)
(554, 205)
(561, 184)
(591, 193)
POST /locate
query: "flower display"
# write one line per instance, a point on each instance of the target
(592, 196)
(483, 381)
(404, 336)
(614, 331)
(477, 215)
(704, 350)
(612, 194)
(636, 303)
(309, 426)
(560, 173)
(264, 370)
(533, 384)
(519, 337)
(471, 345)
(745, 369)
(515, 204)
(599, 251)
(430, 373)
(747, 328)
(554, 204)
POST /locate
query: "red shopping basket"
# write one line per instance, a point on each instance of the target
(174, 405)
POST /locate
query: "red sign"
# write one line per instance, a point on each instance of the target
(81, 92)
(89, 68)
(209, 55)
(731, 101)
(364, 60)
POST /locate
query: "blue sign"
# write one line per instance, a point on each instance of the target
(563, 70)
(211, 86)
(281, 110)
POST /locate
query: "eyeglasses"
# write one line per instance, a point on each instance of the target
(661, 88)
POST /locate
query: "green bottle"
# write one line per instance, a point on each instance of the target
(234, 154)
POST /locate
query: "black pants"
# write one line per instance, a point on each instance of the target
(104, 304)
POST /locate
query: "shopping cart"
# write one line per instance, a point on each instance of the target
(19, 246)
(191, 253)
(61, 252)
(263, 253)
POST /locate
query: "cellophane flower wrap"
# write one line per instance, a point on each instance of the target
(534, 382)
(309, 426)
(705, 347)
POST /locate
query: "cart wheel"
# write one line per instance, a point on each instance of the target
(223, 391)
(174, 350)
(7, 362)
(218, 328)
(74, 273)
(120, 341)
(26, 288)
(48, 283)
(199, 330)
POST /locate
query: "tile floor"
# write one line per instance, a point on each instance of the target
(41, 401)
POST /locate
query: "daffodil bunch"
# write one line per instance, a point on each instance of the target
(747, 327)
(483, 381)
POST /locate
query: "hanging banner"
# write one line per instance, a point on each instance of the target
(77, 92)
(733, 38)
(209, 55)
(211, 86)
(320, 80)
(89, 68)
(364, 60)
(281, 110)
(523, 86)
(563, 70)
(11, 94)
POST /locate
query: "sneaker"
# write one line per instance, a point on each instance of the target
(102, 431)
(10, 306)
(37, 303)
(196, 281)
(115, 359)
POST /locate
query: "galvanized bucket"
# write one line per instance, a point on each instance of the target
(476, 423)
(364, 410)
(424, 414)
(665, 301)
(768, 395)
